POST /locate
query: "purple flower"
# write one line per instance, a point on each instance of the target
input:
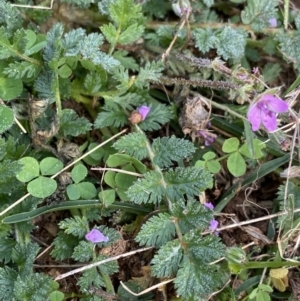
(272, 22)
(209, 205)
(144, 111)
(96, 236)
(213, 225)
(255, 70)
(208, 140)
(264, 111)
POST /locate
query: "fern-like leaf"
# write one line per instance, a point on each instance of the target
(83, 252)
(75, 225)
(133, 144)
(73, 125)
(166, 262)
(159, 115)
(171, 149)
(7, 281)
(111, 118)
(147, 190)
(188, 181)
(206, 249)
(157, 231)
(196, 281)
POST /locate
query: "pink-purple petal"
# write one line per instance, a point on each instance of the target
(276, 104)
(209, 205)
(95, 236)
(269, 121)
(213, 225)
(144, 111)
(254, 116)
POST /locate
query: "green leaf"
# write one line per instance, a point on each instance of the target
(73, 125)
(63, 246)
(65, 71)
(168, 149)
(166, 262)
(191, 215)
(111, 118)
(107, 196)
(10, 88)
(157, 231)
(205, 39)
(124, 12)
(258, 146)
(90, 278)
(152, 71)
(206, 249)
(7, 282)
(131, 34)
(147, 190)
(83, 252)
(78, 173)
(258, 13)
(76, 226)
(30, 169)
(22, 70)
(50, 166)
(73, 192)
(42, 187)
(127, 61)
(230, 145)
(87, 190)
(213, 166)
(134, 144)
(188, 181)
(209, 156)
(33, 287)
(124, 181)
(109, 179)
(6, 247)
(110, 33)
(196, 281)
(236, 164)
(57, 296)
(6, 118)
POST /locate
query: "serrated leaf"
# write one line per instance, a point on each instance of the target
(111, 118)
(10, 88)
(30, 169)
(236, 164)
(50, 166)
(78, 173)
(42, 187)
(147, 190)
(71, 124)
(6, 118)
(191, 215)
(187, 181)
(110, 33)
(131, 34)
(207, 249)
(159, 115)
(124, 12)
(171, 149)
(134, 144)
(152, 71)
(7, 281)
(83, 252)
(198, 281)
(76, 226)
(166, 262)
(204, 39)
(90, 277)
(157, 231)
